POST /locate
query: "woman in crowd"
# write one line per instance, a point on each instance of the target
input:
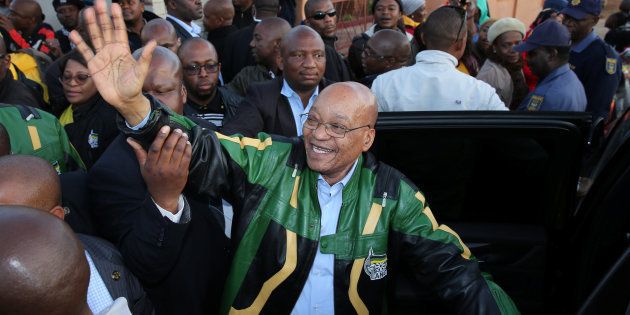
(414, 14)
(482, 44)
(89, 121)
(387, 15)
(503, 69)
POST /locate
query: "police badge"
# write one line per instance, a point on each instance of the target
(375, 266)
(535, 102)
(575, 2)
(611, 65)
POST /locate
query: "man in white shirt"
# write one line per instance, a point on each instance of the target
(181, 13)
(434, 83)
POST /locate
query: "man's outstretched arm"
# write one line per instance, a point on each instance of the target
(117, 75)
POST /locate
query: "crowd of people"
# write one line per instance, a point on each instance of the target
(188, 163)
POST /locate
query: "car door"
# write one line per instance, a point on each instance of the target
(506, 182)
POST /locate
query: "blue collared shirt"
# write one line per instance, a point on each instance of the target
(318, 296)
(193, 29)
(560, 90)
(579, 47)
(297, 108)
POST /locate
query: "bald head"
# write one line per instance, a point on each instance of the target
(28, 14)
(217, 13)
(164, 80)
(386, 50)
(392, 43)
(194, 44)
(300, 32)
(29, 181)
(354, 96)
(5, 142)
(442, 28)
(277, 27)
(163, 32)
(42, 263)
(349, 111)
(266, 39)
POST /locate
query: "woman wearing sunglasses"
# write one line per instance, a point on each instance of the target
(387, 15)
(89, 121)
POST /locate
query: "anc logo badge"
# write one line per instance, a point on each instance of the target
(611, 65)
(375, 266)
(93, 139)
(535, 102)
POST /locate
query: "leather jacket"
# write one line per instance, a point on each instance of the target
(384, 225)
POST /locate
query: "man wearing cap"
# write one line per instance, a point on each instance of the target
(595, 63)
(559, 89)
(68, 16)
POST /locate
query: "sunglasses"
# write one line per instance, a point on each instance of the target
(80, 78)
(196, 69)
(321, 15)
(461, 9)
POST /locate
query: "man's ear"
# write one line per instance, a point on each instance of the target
(183, 93)
(58, 211)
(170, 4)
(281, 64)
(368, 139)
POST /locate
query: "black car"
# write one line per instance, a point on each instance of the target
(508, 184)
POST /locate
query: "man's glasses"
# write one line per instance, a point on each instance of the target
(333, 130)
(369, 52)
(80, 78)
(319, 15)
(196, 69)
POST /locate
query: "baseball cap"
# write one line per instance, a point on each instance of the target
(578, 9)
(549, 33)
(557, 5)
(78, 3)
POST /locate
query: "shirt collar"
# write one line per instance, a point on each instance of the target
(556, 73)
(288, 91)
(436, 56)
(344, 181)
(579, 47)
(193, 28)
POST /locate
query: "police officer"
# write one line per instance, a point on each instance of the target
(558, 89)
(596, 64)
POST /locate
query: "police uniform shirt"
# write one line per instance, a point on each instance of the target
(560, 90)
(598, 67)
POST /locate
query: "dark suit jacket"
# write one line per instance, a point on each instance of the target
(182, 266)
(237, 53)
(265, 110)
(118, 280)
(181, 32)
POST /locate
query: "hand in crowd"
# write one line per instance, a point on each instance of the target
(6, 23)
(55, 47)
(117, 75)
(165, 167)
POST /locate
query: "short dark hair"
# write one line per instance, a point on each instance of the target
(442, 27)
(72, 55)
(375, 2)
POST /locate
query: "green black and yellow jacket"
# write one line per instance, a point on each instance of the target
(35, 132)
(384, 225)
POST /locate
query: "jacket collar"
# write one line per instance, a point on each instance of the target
(436, 56)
